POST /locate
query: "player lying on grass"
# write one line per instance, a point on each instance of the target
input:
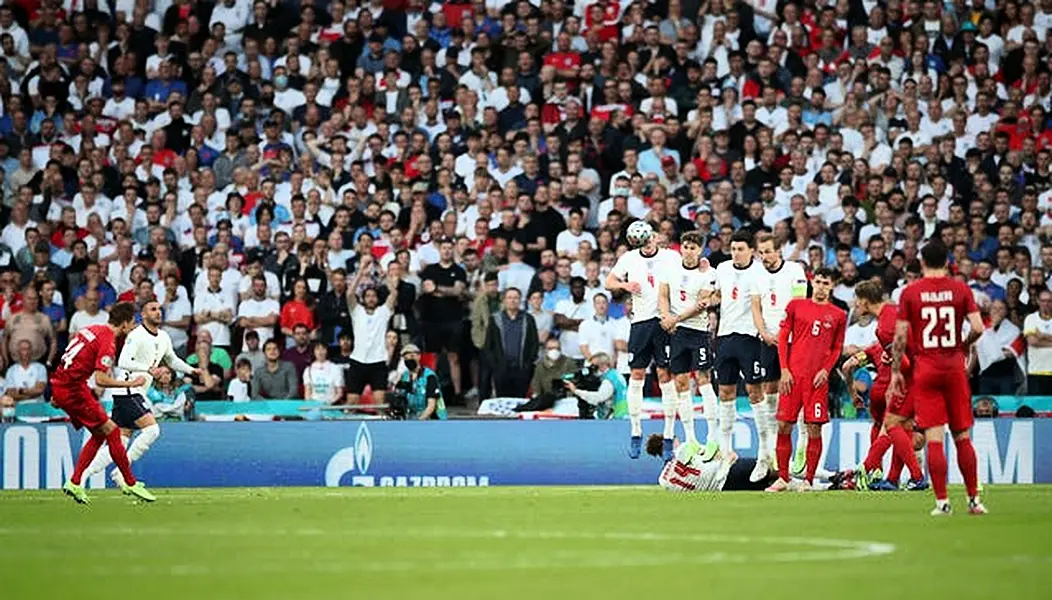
(691, 470)
(91, 352)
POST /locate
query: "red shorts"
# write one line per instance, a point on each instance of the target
(902, 406)
(813, 401)
(941, 397)
(81, 406)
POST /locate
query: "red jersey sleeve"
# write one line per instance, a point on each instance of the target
(969, 300)
(784, 332)
(839, 331)
(107, 350)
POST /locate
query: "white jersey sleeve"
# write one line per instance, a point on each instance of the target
(687, 473)
(779, 288)
(737, 287)
(142, 351)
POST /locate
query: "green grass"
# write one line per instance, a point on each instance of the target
(537, 543)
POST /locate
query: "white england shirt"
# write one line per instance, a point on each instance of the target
(645, 270)
(777, 289)
(685, 285)
(143, 351)
(688, 473)
(737, 287)
(1039, 360)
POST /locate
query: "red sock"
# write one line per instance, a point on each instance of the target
(119, 456)
(895, 471)
(877, 450)
(968, 465)
(904, 454)
(938, 468)
(874, 432)
(784, 450)
(814, 453)
(87, 454)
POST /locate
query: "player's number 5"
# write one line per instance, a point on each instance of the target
(941, 316)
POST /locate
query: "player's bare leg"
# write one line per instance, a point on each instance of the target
(635, 411)
(763, 453)
(728, 415)
(685, 406)
(968, 464)
(711, 403)
(669, 400)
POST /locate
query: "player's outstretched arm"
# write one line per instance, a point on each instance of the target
(975, 322)
(175, 362)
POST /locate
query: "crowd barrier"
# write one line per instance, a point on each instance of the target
(454, 453)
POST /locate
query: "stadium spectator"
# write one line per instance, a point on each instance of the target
(547, 382)
(25, 379)
(31, 325)
(512, 345)
(92, 314)
(610, 400)
(207, 388)
(276, 379)
(169, 396)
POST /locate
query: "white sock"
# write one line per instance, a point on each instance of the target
(801, 436)
(711, 403)
(728, 414)
(669, 397)
(772, 415)
(686, 415)
(147, 436)
(759, 411)
(920, 460)
(635, 406)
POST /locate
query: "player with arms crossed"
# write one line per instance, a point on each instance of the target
(785, 281)
(891, 414)
(145, 349)
(684, 295)
(89, 352)
(809, 345)
(737, 343)
(636, 272)
(932, 311)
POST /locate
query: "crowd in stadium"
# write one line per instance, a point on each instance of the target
(452, 180)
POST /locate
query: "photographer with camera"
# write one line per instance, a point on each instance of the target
(417, 394)
(609, 399)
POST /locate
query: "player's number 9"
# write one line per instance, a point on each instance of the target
(941, 316)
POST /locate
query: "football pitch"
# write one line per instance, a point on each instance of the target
(543, 543)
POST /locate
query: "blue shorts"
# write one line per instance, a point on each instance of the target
(647, 341)
(690, 351)
(127, 409)
(770, 370)
(738, 357)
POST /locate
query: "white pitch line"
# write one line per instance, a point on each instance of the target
(819, 549)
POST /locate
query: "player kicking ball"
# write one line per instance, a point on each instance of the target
(91, 352)
(684, 295)
(932, 311)
(145, 349)
(892, 415)
(809, 345)
(637, 272)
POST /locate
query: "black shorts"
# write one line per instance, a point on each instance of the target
(127, 409)
(647, 340)
(360, 375)
(738, 477)
(690, 352)
(738, 356)
(444, 336)
(770, 370)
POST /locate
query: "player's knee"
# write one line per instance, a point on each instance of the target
(814, 430)
(785, 427)
(151, 432)
(961, 435)
(638, 375)
(682, 382)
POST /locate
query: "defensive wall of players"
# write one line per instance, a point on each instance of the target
(452, 453)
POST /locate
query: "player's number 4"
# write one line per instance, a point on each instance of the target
(943, 317)
(71, 353)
